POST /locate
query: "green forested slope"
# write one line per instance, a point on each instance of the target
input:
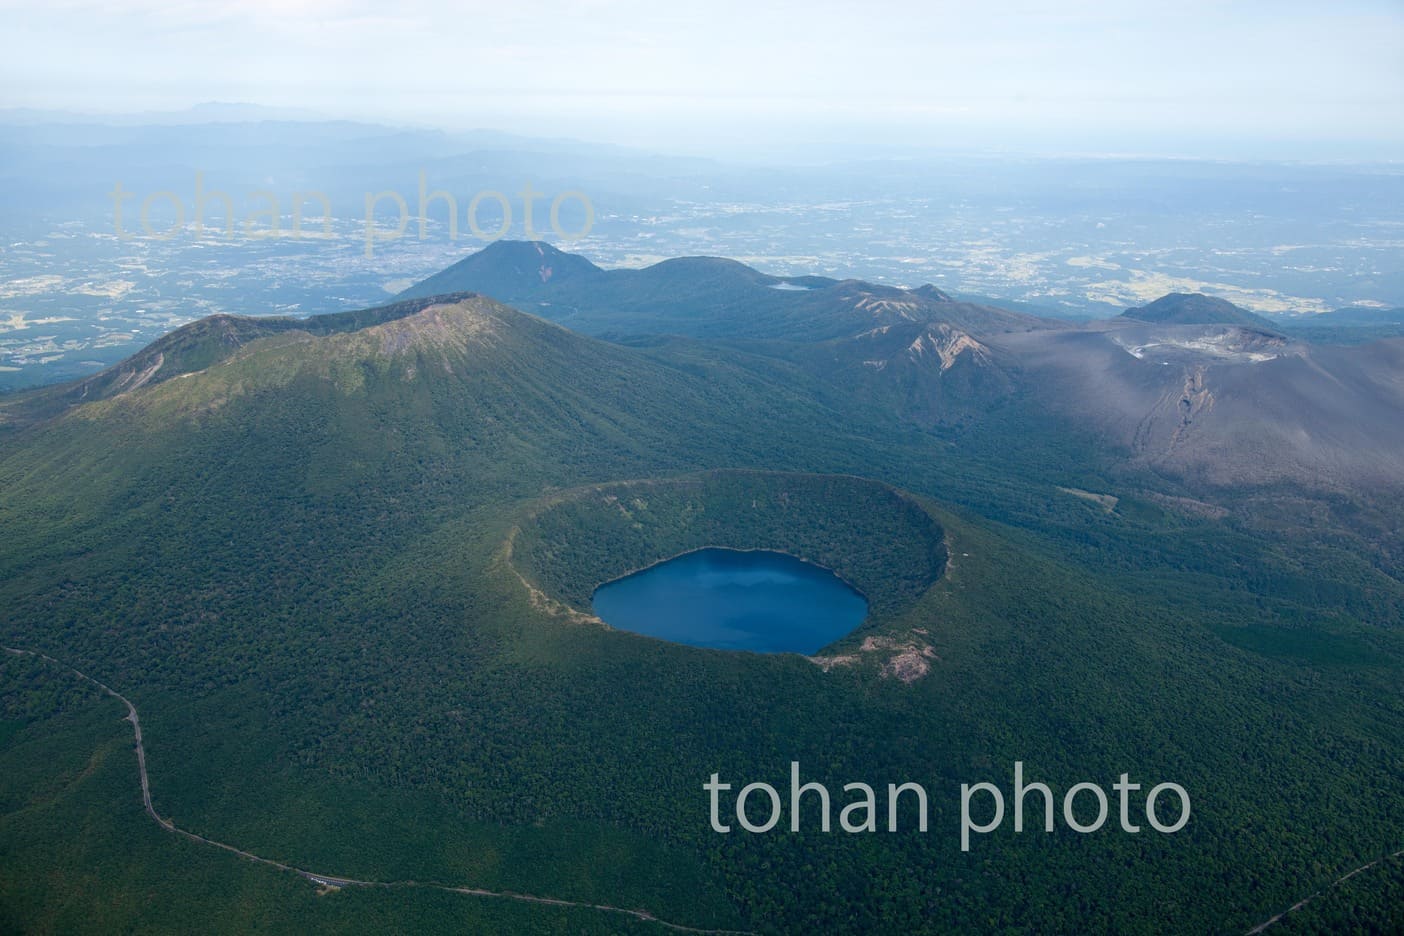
(292, 562)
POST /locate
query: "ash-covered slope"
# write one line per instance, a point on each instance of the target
(1224, 405)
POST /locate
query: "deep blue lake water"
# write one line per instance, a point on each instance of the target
(767, 602)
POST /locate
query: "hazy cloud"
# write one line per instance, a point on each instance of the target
(1290, 71)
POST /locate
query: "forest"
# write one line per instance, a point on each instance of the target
(305, 565)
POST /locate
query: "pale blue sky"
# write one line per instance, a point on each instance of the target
(1075, 75)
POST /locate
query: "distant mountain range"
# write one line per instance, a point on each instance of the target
(1189, 385)
(1351, 315)
(698, 297)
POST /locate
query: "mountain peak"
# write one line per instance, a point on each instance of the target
(500, 249)
(507, 268)
(929, 291)
(1196, 309)
(452, 325)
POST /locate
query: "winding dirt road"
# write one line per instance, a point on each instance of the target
(336, 880)
(1338, 881)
